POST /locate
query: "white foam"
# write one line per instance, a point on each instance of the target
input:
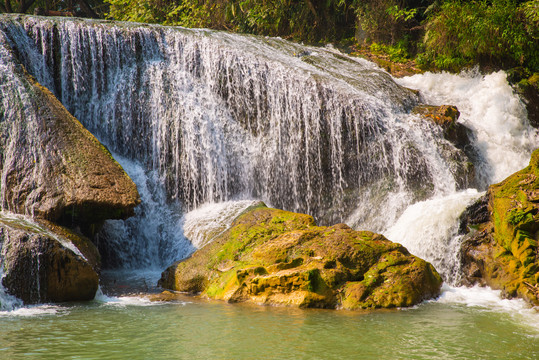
(33, 311)
(428, 229)
(490, 107)
(490, 300)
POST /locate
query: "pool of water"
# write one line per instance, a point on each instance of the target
(453, 327)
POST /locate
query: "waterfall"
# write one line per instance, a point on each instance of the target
(153, 238)
(222, 116)
(201, 117)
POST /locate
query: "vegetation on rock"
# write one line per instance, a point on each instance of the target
(503, 252)
(273, 256)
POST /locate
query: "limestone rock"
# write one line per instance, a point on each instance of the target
(272, 256)
(446, 117)
(502, 251)
(51, 166)
(43, 262)
(459, 153)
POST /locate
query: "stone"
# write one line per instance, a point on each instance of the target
(43, 262)
(501, 250)
(271, 256)
(51, 166)
(459, 153)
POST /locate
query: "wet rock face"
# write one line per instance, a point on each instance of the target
(272, 256)
(446, 117)
(53, 168)
(502, 250)
(458, 156)
(40, 265)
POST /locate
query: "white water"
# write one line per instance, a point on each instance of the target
(428, 229)
(153, 238)
(490, 107)
(486, 299)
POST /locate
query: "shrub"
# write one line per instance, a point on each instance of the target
(496, 33)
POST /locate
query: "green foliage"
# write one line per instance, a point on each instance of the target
(449, 34)
(311, 20)
(396, 53)
(499, 33)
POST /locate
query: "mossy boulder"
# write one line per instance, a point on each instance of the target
(501, 251)
(44, 262)
(271, 256)
(52, 167)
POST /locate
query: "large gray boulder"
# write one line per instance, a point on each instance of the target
(51, 167)
(43, 262)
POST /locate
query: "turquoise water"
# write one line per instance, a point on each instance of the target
(134, 328)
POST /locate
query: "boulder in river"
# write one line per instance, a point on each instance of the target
(43, 262)
(501, 248)
(271, 256)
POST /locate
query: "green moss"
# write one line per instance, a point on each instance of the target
(280, 257)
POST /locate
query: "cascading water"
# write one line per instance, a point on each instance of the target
(222, 117)
(504, 138)
(153, 238)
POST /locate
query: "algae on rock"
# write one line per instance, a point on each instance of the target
(271, 256)
(502, 250)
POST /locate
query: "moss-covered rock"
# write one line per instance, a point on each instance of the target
(502, 252)
(51, 166)
(272, 256)
(43, 262)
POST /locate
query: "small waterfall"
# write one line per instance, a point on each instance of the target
(505, 140)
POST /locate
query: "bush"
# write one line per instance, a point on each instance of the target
(497, 33)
